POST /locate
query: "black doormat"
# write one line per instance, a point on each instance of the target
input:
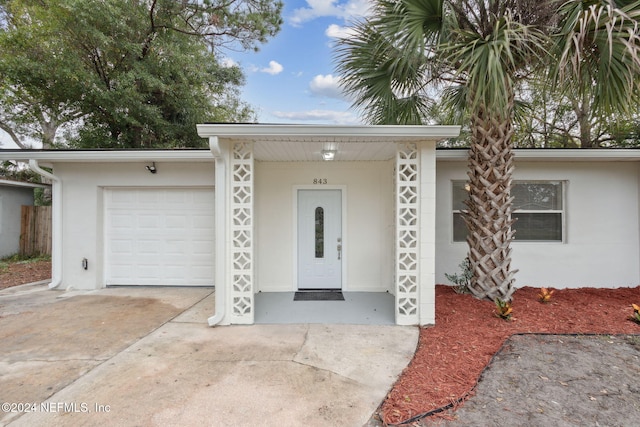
(318, 296)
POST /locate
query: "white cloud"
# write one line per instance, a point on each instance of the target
(228, 63)
(327, 86)
(273, 68)
(323, 116)
(338, 32)
(329, 8)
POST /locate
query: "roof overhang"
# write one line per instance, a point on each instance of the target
(107, 156)
(283, 142)
(10, 183)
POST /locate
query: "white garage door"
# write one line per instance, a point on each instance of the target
(159, 237)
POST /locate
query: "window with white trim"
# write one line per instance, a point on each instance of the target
(538, 208)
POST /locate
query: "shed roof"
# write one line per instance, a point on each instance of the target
(11, 183)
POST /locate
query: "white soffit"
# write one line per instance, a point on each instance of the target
(280, 142)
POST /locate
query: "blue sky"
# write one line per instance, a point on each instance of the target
(292, 78)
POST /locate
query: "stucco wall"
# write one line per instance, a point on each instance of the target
(368, 226)
(83, 208)
(11, 200)
(602, 243)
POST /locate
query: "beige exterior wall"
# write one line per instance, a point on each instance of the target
(83, 208)
(601, 247)
(367, 227)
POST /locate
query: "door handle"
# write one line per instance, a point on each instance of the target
(339, 250)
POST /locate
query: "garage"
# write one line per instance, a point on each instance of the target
(159, 236)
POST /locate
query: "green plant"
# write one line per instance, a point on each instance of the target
(503, 309)
(461, 282)
(545, 295)
(24, 259)
(636, 313)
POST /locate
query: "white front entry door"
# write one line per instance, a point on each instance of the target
(319, 239)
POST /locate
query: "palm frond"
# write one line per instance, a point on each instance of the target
(598, 53)
(385, 62)
(489, 64)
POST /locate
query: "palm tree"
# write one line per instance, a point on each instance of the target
(479, 54)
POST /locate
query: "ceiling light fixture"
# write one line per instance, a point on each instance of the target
(328, 155)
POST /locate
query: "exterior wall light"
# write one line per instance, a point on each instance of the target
(328, 155)
(152, 168)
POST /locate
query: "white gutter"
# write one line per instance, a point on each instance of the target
(220, 232)
(56, 218)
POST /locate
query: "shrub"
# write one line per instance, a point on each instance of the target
(463, 280)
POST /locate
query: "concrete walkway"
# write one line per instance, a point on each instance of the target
(146, 357)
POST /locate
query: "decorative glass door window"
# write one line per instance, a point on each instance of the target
(319, 232)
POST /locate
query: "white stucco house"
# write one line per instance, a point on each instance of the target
(277, 208)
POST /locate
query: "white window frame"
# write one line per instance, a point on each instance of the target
(562, 211)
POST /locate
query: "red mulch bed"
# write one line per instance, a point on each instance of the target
(452, 354)
(22, 272)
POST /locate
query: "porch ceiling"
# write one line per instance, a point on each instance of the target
(298, 149)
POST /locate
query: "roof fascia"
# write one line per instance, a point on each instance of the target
(253, 131)
(10, 183)
(60, 156)
(555, 155)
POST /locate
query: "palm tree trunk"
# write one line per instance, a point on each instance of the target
(489, 215)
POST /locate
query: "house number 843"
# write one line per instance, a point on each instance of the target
(320, 180)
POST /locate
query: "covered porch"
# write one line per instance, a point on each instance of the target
(347, 208)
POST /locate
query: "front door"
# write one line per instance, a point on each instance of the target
(319, 239)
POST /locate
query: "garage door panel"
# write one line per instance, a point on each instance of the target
(148, 198)
(202, 248)
(203, 222)
(121, 221)
(147, 247)
(202, 271)
(178, 223)
(148, 221)
(121, 198)
(178, 198)
(122, 247)
(159, 237)
(176, 248)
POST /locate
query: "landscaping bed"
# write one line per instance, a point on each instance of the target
(452, 354)
(14, 272)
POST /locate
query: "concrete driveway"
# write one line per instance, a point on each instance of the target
(146, 357)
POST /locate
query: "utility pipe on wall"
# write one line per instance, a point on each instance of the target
(220, 231)
(56, 219)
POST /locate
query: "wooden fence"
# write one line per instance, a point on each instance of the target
(35, 231)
